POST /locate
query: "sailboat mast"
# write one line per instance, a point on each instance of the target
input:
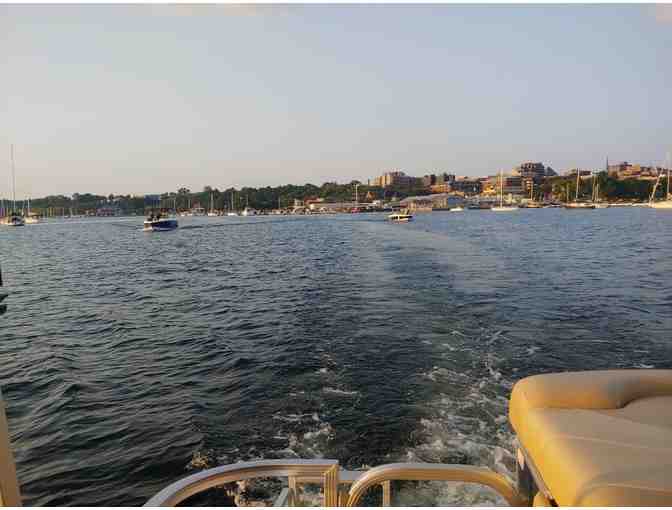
(11, 150)
(578, 172)
(501, 188)
(667, 197)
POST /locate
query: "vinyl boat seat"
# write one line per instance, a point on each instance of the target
(599, 438)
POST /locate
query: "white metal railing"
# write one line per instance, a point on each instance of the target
(328, 474)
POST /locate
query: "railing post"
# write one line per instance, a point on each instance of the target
(293, 499)
(331, 486)
(387, 493)
(9, 485)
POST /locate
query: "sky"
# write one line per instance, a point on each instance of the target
(150, 98)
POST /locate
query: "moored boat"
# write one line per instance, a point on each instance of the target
(14, 220)
(400, 217)
(501, 207)
(666, 203)
(579, 205)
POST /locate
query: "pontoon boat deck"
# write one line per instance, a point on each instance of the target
(600, 438)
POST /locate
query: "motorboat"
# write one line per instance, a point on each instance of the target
(248, 211)
(457, 209)
(596, 438)
(158, 223)
(400, 216)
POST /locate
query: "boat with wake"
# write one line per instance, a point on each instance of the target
(156, 222)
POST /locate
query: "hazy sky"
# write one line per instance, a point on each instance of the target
(134, 99)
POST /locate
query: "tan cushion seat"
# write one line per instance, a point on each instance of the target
(601, 438)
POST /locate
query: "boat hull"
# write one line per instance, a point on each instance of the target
(579, 205)
(400, 218)
(503, 209)
(160, 225)
(15, 221)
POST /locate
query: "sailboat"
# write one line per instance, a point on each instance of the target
(212, 212)
(232, 212)
(14, 219)
(248, 211)
(30, 217)
(532, 204)
(576, 204)
(502, 207)
(662, 204)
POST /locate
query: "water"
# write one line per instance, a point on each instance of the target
(129, 358)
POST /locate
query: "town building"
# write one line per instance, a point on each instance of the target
(466, 185)
(625, 170)
(396, 179)
(433, 202)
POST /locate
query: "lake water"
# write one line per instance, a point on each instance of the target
(127, 357)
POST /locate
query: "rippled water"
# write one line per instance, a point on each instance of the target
(129, 357)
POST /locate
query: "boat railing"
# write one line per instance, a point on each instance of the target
(340, 487)
(9, 486)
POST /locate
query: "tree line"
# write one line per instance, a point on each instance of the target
(264, 198)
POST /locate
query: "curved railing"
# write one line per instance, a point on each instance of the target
(432, 472)
(203, 480)
(327, 473)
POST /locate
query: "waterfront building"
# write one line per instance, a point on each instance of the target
(331, 206)
(395, 178)
(466, 185)
(108, 210)
(434, 201)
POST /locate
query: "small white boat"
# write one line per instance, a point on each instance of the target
(248, 211)
(156, 223)
(580, 205)
(457, 209)
(504, 208)
(400, 217)
(232, 214)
